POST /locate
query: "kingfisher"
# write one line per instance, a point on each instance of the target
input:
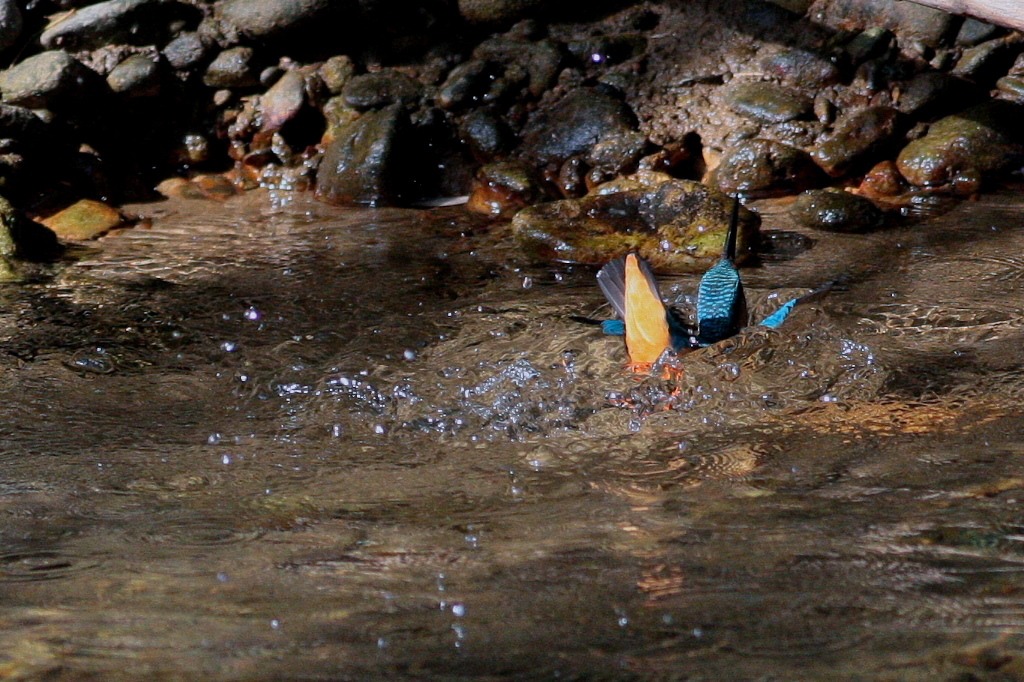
(651, 328)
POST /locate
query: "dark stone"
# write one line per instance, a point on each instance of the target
(858, 137)
(468, 84)
(836, 211)
(375, 90)
(487, 134)
(186, 50)
(505, 187)
(762, 168)
(869, 44)
(986, 62)
(11, 23)
(361, 165)
(232, 68)
(576, 123)
(767, 102)
(974, 32)
(802, 68)
(131, 22)
(985, 138)
(136, 76)
(497, 11)
(608, 50)
(49, 80)
(933, 93)
(539, 61)
(264, 19)
(619, 152)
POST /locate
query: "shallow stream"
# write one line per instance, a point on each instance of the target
(270, 439)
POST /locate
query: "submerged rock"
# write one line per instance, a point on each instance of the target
(836, 211)
(361, 164)
(985, 139)
(675, 224)
(85, 219)
(762, 168)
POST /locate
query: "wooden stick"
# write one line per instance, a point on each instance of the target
(1008, 13)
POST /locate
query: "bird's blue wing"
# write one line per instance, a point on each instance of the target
(721, 303)
(775, 320)
(613, 327)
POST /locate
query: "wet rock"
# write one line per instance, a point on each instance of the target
(767, 102)
(835, 211)
(84, 220)
(131, 22)
(468, 84)
(618, 152)
(338, 115)
(931, 93)
(266, 19)
(538, 61)
(376, 90)
(675, 224)
(136, 76)
(186, 50)
(336, 72)
(1011, 88)
(233, 68)
(11, 23)
(883, 181)
(576, 123)
(51, 79)
(362, 164)
(497, 11)
(986, 62)
(487, 134)
(763, 168)
(802, 68)
(908, 20)
(985, 138)
(505, 187)
(858, 136)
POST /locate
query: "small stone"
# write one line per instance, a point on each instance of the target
(136, 76)
(540, 62)
(51, 79)
(84, 220)
(835, 211)
(985, 138)
(232, 68)
(767, 102)
(908, 20)
(486, 133)
(858, 136)
(883, 181)
(869, 44)
(504, 188)
(930, 93)
(376, 90)
(764, 168)
(802, 68)
(616, 153)
(468, 84)
(185, 51)
(986, 62)
(1011, 88)
(336, 72)
(283, 101)
(497, 11)
(974, 32)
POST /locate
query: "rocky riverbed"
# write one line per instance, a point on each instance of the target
(870, 111)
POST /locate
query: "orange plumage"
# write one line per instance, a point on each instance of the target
(647, 333)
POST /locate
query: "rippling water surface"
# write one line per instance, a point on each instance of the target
(269, 439)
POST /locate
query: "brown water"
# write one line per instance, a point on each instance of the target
(270, 439)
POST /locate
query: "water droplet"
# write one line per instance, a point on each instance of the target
(275, 624)
(409, 354)
(252, 314)
(229, 346)
(458, 610)
(214, 438)
(226, 460)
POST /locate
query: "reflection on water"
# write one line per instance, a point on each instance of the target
(278, 440)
